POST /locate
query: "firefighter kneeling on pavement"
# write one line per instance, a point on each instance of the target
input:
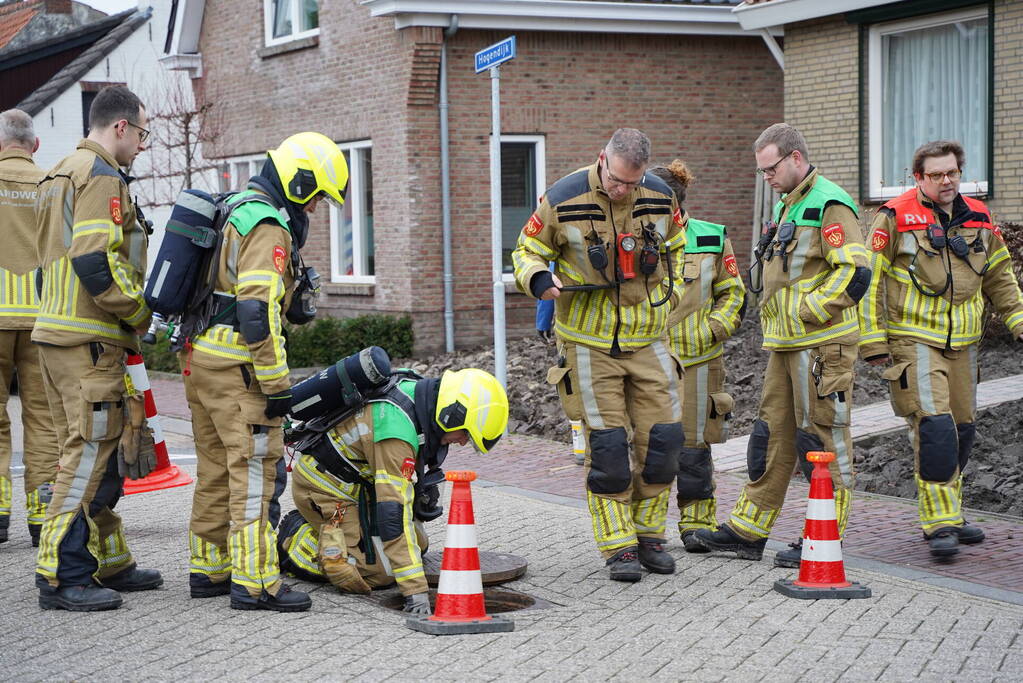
(359, 511)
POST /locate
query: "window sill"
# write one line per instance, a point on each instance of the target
(348, 288)
(290, 46)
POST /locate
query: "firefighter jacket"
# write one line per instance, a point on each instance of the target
(713, 294)
(814, 270)
(256, 277)
(382, 442)
(925, 291)
(92, 250)
(577, 221)
(18, 260)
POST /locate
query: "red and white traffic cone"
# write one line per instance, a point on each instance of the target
(821, 570)
(460, 606)
(166, 475)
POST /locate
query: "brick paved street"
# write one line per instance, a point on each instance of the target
(716, 619)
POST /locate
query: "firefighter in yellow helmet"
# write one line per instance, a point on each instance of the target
(236, 374)
(364, 488)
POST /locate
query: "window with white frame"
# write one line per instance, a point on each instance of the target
(235, 172)
(351, 227)
(286, 20)
(523, 180)
(929, 80)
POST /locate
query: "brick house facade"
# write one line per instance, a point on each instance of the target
(829, 92)
(703, 98)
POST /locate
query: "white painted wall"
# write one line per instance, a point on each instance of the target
(59, 125)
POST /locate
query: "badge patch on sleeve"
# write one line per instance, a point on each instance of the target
(408, 468)
(115, 210)
(280, 259)
(834, 235)
(998, 232)
(533, 226)
(677, 217)
(880, 239)
(730, 265)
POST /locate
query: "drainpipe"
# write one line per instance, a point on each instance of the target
(445, 189)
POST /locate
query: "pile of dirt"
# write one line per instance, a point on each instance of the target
(535, 409)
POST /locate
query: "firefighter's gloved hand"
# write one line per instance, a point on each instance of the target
(278, 405)
(132, 461)
(417, 604)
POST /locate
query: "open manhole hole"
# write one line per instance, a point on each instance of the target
(496, 600)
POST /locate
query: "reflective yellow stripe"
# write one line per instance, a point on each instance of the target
(649, 515)
(749, 517)
(612, 523)
(6, 495)
(207, 558)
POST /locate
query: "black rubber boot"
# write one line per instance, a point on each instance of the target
(200, 586)
(726, 539)
(791, 557)
(969, 534)
(5, 522)
(33, 531)
(79, 598)
(690, 543)
(624, 565)
(653, 557)
(134, 579)
(286, 600)
(944, 542)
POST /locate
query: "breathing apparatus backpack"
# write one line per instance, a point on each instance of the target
(181, 290)
(333, 395)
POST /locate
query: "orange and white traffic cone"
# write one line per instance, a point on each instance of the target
(460, 606)
(821, 570)
(166, 475)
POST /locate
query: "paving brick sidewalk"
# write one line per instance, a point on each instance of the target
(881, 528)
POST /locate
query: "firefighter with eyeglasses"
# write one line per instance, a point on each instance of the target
(811, 268)
(615, 235)
(713, 302)
(365, 486)
(936, 255)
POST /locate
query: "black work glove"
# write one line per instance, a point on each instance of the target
(425, 507)
(278, 405)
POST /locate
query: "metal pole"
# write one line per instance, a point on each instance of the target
(500, 363)
(445, 192)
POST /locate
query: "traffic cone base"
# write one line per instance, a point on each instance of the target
(460, 606)
(159, 479)
(821, 570)
(791, 589)
(449, 627)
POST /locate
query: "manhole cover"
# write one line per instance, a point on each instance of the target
(496, 568)
(496, 600)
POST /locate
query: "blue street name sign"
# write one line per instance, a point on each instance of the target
(496, 54)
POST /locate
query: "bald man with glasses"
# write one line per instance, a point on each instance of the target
(936, 254)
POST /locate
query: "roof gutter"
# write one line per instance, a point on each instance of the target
(775, 13)
(562, 15)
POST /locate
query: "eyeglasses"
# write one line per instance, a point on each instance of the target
(953, 175)
(143, 133)
(618, 181)
(769, 171)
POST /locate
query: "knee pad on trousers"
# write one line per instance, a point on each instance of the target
(110, 489)
(967, 433)
(280, 481)
(609, 461)
(662, 453)
(805, 443)
(389, 519)
(939, 450)
(756, 450)
(695, 474)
